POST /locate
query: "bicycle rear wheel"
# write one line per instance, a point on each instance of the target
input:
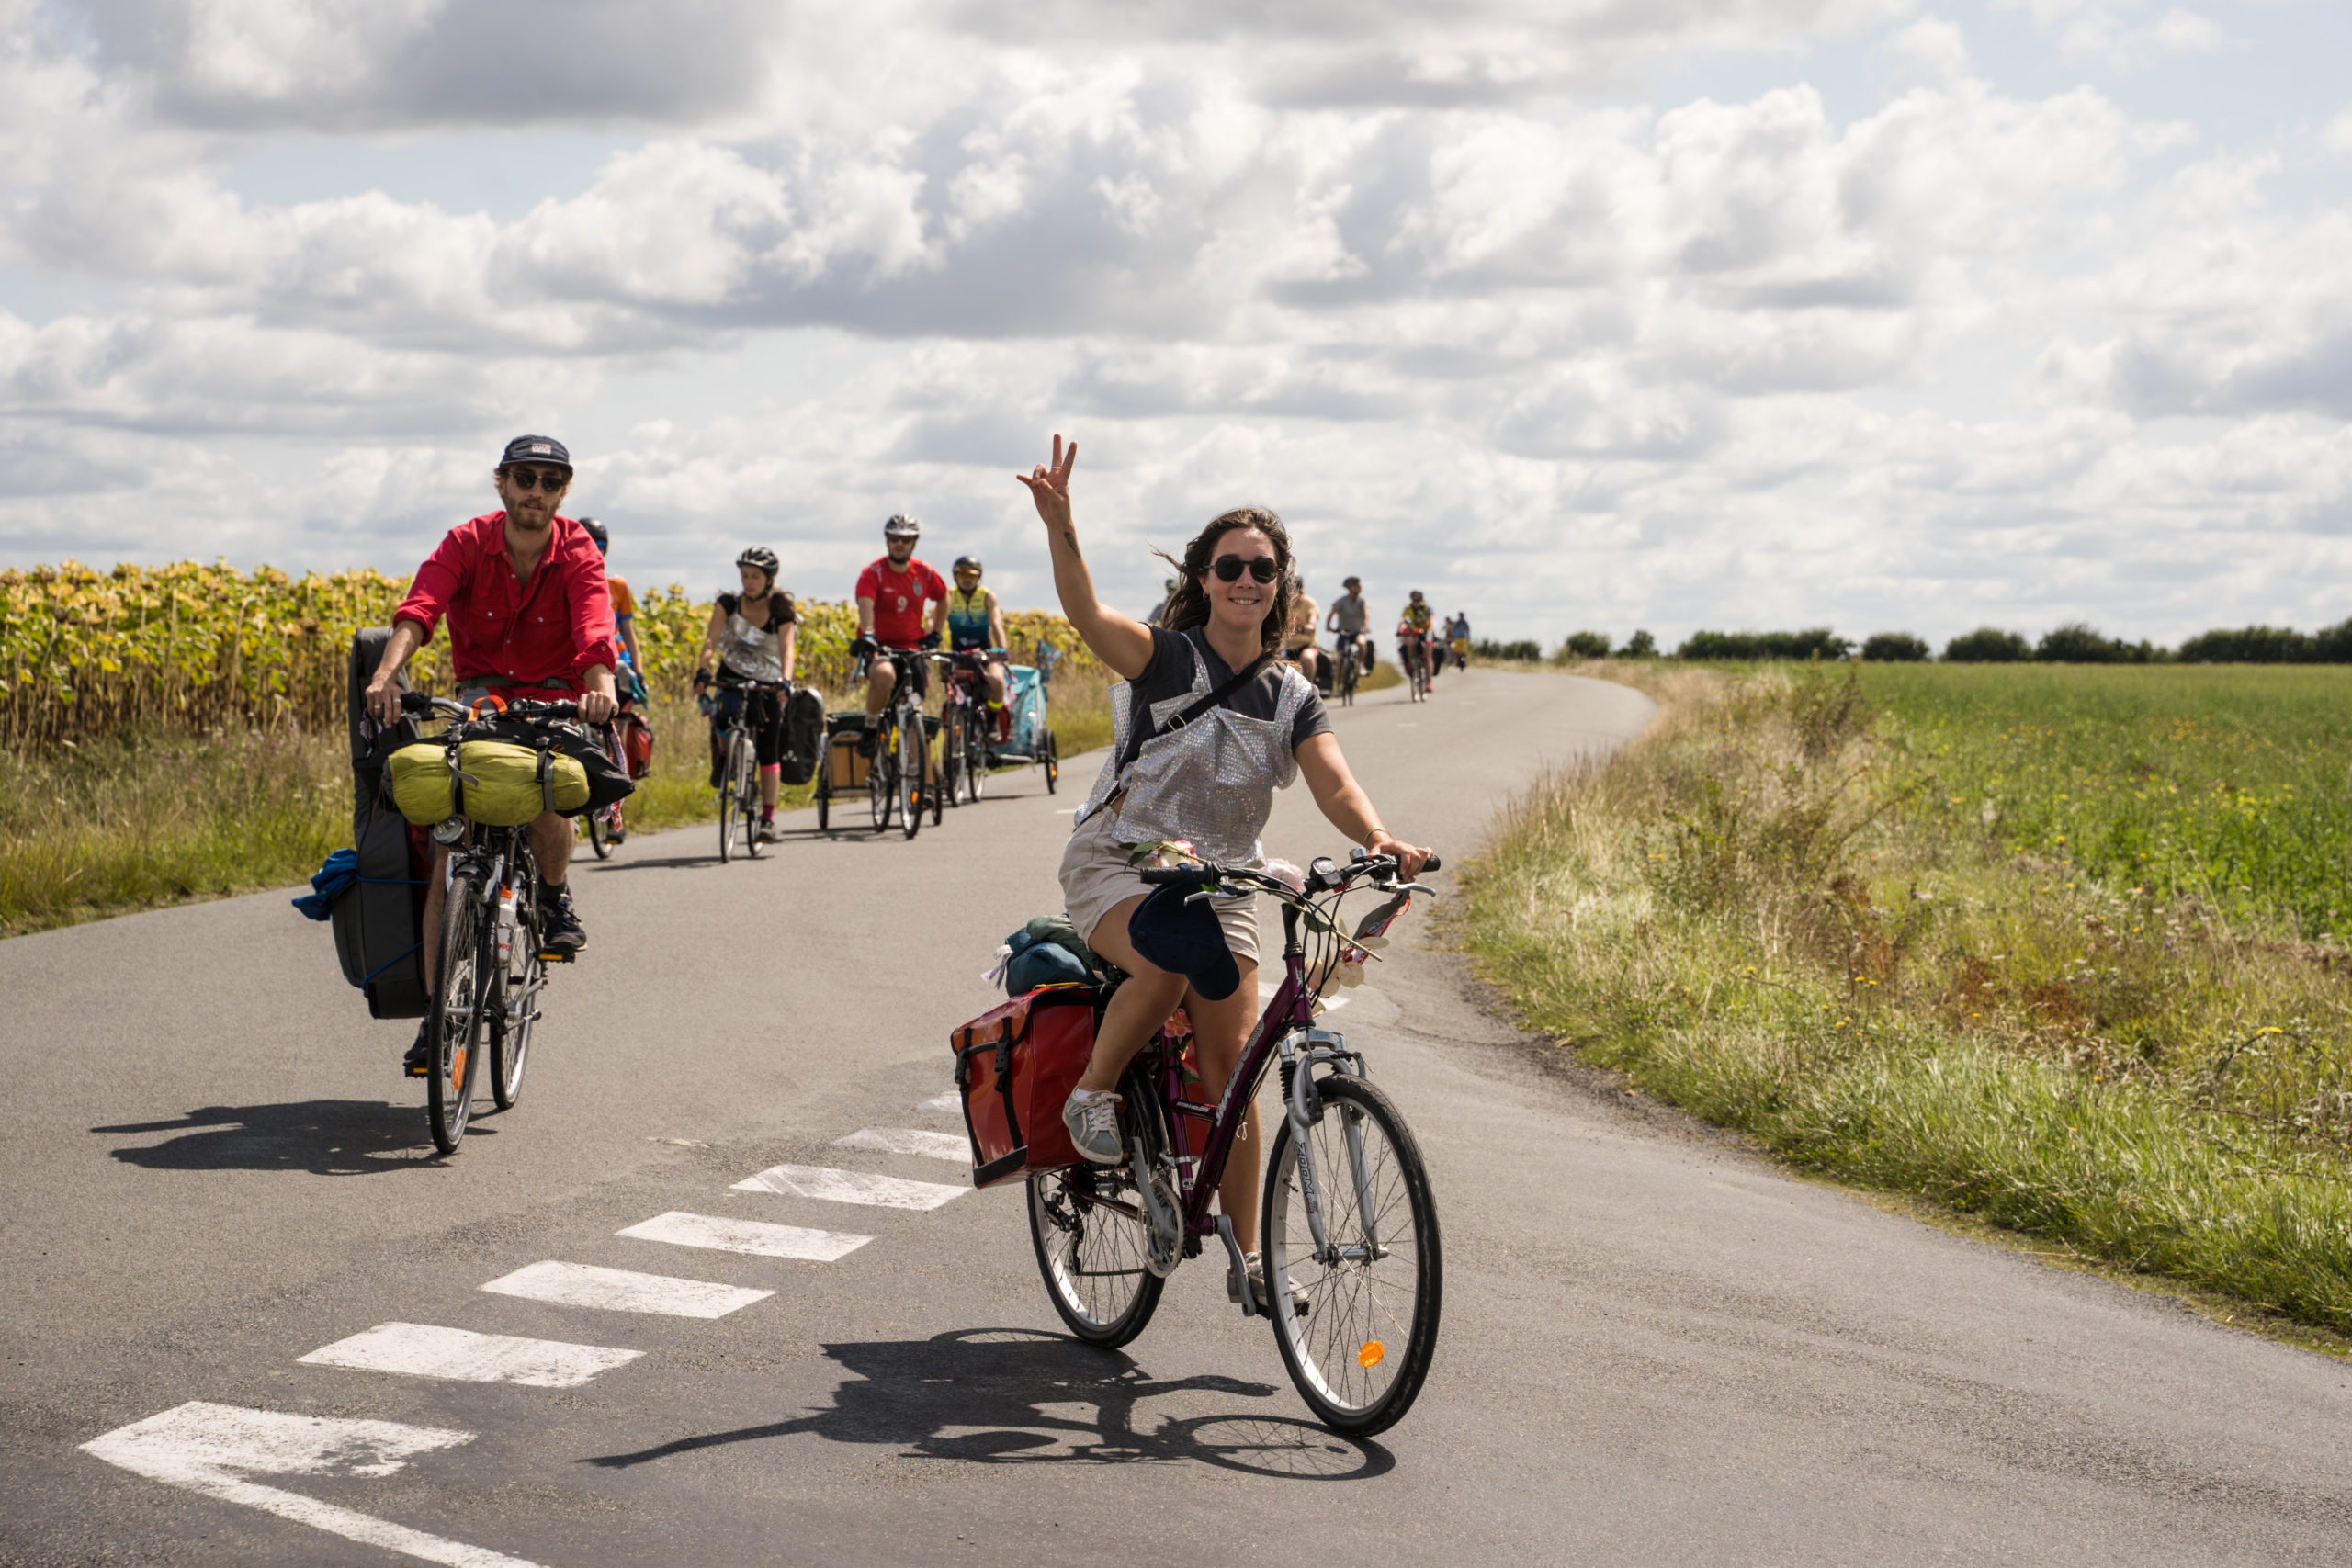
(463, 979)
(910, 761)
(522, 978)
(1096, 1258)
(1052, 763)
(597, 840)
(951, 753)
(1360, 1352)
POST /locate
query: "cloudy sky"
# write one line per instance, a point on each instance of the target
(1606, 313)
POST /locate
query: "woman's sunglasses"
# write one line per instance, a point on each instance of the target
(548, 479)
(1261, 569)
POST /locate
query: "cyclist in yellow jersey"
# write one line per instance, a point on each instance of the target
(976, 622)
(1413, 627)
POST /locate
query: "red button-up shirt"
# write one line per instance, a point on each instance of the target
(506, 631)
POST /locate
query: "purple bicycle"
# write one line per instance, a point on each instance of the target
(1348, 1224)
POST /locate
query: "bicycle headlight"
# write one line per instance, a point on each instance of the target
(448, 830)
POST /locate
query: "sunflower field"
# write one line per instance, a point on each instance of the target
(209, 649)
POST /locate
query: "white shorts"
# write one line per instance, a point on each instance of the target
(1097, 879)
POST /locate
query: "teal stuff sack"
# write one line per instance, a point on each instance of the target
(1045, 952)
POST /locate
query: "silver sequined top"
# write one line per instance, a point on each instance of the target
(749, 650)
(1210, 781)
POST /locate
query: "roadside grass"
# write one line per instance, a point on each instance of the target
(148, 818)
(1771, 912)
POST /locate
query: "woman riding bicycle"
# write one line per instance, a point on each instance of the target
(1208, 784)
(752, 635)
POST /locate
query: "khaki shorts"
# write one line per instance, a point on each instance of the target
(1096, 879)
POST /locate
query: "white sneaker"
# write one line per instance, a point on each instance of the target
(1092, 1118)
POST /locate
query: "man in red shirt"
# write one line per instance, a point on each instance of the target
(523, 590)
(891, 596)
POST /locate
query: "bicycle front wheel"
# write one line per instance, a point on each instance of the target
(466, 960)
(730, 785)
(1371, 1286)
(747, 803)
(910, 761)
(975, 753)
(881, 779)
(598, 839)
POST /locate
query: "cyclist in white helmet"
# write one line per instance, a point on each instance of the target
(751, 637)
(901, 605)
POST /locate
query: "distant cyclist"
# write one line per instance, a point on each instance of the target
(1298, 643)
(1457, 637)
(976, 625)
(631, 732)
(752, 635)
(901, 603)
(1413, 636)
(1346, 620)
(523, 590)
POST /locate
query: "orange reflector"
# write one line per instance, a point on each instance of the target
(1369, 1357)
(458, 1076)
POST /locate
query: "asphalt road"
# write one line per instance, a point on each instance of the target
(1656, 1349)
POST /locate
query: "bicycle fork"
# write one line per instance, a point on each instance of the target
(1303, 1107)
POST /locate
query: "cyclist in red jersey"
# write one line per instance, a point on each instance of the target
(901, 603)
(523, 590)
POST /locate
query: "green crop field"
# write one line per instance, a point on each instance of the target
(2228, 783)
(2058, 947)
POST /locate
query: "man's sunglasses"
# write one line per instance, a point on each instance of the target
(1261, 569)
(548, 479)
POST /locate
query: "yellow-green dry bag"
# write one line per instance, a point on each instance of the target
(501, 786)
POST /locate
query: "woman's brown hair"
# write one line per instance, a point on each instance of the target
(1188, 606)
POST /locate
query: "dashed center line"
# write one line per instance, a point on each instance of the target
(850, 1187)
(910, 1141)
(623, 1290)
(755, 1236)
(425, 1350)
(951, 1101)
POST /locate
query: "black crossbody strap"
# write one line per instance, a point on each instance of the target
(1240, 678)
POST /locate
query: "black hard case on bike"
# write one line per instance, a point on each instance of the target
(378, 920)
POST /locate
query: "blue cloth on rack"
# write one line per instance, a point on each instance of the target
(341, 870)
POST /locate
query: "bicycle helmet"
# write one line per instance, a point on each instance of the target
(968, 562)
(901, 527)
(596, 532)
(761, 556)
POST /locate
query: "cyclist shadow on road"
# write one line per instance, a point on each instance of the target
(325, 1137)
(1019, 1396)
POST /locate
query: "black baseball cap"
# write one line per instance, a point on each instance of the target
(536, 449)
(1184, 938)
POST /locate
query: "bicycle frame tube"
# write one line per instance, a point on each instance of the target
(1289, 1009)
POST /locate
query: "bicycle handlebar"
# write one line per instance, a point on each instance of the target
(1380, 870)
(418, 702)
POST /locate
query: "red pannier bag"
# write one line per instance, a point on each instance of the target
(1015, 1065)
(637, 745)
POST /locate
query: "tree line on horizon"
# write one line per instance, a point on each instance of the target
(2073, 643)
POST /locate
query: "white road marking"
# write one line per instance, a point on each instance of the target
(203, 1447)
(951, 1101)
(425, 1350)
(1065, 811)
(910, 1141)
(755, 1236)
(623, 1290)
(850, 1187)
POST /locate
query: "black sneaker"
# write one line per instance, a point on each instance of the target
(418, 1062)
(865, 743)
(560, 928)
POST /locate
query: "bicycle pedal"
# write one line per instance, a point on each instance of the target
(558, 955)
